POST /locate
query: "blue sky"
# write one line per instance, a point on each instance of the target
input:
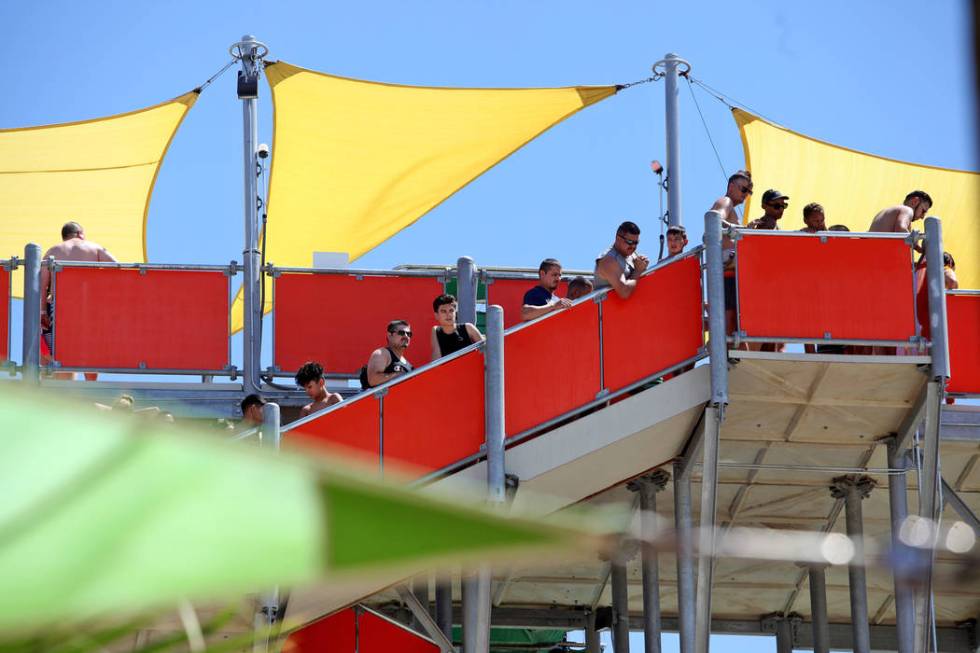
(890, 77)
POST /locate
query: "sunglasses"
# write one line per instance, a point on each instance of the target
(745, 189)
(778, 206)
(629, 241)
(403, 332)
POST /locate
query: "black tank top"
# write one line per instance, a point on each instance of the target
(397, 364)
(452, 342)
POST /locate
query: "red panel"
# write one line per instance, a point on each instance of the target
(4, 314)
(353, 428)
(509, 294)
(165, 319)
(339, 320)
(963, 314)
(436, 418)
(334, 634)
(659, 326)
(552, 367)
(856, 288)
(379, 635)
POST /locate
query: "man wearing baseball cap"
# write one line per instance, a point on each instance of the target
(773, 203)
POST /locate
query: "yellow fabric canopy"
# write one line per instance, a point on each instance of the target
(99, 173)
(853, 186)
(355, 162)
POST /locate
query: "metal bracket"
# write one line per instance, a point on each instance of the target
(232, 269)
(359, 277)
(141, 269)
(733, 233)
(602, 393)
(823, 239)
(142, 365)
(380, 394)
(827, 335)
(11, 265)
(702, 350)
(913, 238)
(55, 267)
(600, 298)
(232, 372)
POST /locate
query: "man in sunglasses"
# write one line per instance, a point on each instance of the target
(739, 189)
(620, 267)
(388, 362)
(773, 203)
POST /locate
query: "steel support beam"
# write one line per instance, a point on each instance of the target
(444, 606)
(647, 487)
(426, 622)
(591, 634)
(956, 501)
(854, 489)
(266, 616)
(33, 304)
(899, 510)
(818, 607)
(686, 603)
(928, 510)
(620, 604)
(671, 65)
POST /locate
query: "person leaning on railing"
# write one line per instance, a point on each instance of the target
(542, 299)
(447, 336)
(738, 190)
(620, 266)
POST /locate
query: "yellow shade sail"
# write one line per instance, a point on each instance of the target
(99, 173)
(355, 162)
(853, 186)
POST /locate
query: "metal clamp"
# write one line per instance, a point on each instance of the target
(12, 264)
(232, 372)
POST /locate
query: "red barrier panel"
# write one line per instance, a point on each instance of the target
(963, 315)
(357, 630)
(155, 319)
(802, 287)
(353, 428)
(551, 367)
(339, 320)
(659, 326)
(509, 294)
(4, 314)
(436, 418)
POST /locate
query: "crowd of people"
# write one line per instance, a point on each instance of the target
(618, 267)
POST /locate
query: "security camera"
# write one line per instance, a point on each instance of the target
(263, 151)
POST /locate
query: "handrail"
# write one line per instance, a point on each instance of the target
(742, 231)
(963, 291)
(233, 268)
(493, 269)
(353, 272)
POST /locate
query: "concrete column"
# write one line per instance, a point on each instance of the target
(648, 486)
(853, 489)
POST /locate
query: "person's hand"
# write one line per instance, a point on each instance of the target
(564, 302)
(640, 264)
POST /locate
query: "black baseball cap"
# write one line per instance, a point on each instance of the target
(773, 194)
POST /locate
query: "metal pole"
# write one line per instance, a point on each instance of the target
(620, 604)
(928, 505)
(466, 281)
(685, 559)
(496, 476)
(267, 610)
(476, 612)
(426, 624)
(444, 607)
(818, 608)
(648, 486)
(591, 635)
(249, 50)
(714, 414)
(936, 284)
(853, 489)
(30, 354)
(674, 214)
(899, 509)
(784, 635)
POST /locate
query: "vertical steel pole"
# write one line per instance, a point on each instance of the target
(929, 479)
(466, 282)
(592, 644)
(267, 610)
(853, 489)
(30, 353)
(496, 475)
(674, 213)
(251, 289)
(444, 606)
(476, 590)
(647, 487)
(685, 558)
(899, 509)
(818, 608)
(714, 414)
(784, 635)
(620, 603)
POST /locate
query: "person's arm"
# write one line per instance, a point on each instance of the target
(376, 367)
(305, 410)
(609, 270)
(105, 256)
(434, 342)
(952, 283)
(474, 333)
(529, 311)
(333, 398)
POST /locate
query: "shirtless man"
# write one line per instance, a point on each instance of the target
(620, 267)
(73, 247)
(310, 378)
(739, 189)
(773, 205)
(676, 239)
(899, 219)
(388, 362)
